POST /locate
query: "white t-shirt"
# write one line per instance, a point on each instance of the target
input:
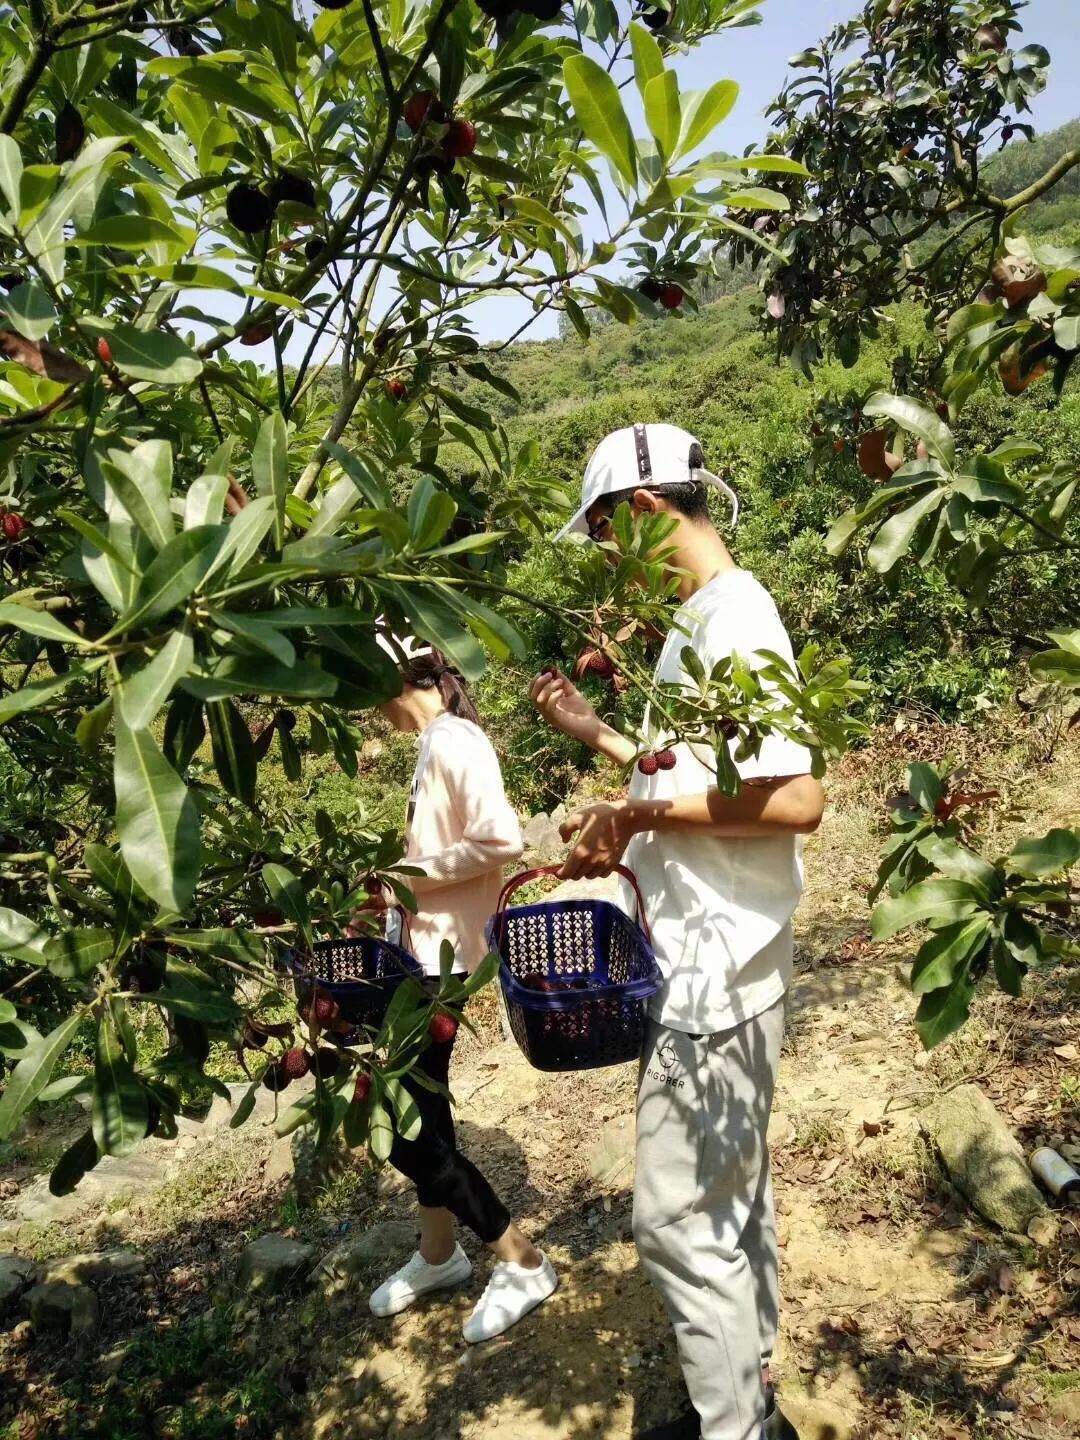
(720, 908)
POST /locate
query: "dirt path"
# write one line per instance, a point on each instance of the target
(903, 1315)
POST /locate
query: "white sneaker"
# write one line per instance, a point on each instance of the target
(415, 1278)
(511, 1293)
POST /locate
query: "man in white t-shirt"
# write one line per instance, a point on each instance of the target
(721, 877)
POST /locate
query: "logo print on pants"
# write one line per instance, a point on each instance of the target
(668, 1058)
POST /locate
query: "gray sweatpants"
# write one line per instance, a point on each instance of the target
(703, 1209)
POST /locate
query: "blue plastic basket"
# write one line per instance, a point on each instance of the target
(360, 972)
(599, 959)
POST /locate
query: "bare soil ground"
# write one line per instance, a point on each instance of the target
(904, 1315)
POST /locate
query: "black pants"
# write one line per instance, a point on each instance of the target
(441, 1174)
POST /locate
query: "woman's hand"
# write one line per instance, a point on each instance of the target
(373, 908)
(604, 831)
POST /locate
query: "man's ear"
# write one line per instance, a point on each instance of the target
(648, 503)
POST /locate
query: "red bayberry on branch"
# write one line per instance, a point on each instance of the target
(671, 296)
(104, 351)
(460, 138)
(362, 1088)
(420, 108)
(594, 662)
(13, 526)
(323, 1010)
(443, 1028)
(396, 388)
(274, 1076)
(649, 764)
(257, 334)
(667, 760)
(295, 1063)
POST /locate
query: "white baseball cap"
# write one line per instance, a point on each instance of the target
(648, 456)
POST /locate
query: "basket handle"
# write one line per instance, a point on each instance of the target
(524, 876)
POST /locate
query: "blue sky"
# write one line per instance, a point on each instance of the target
(756, 56)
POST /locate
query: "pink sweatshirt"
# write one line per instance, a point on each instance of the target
(461, 832)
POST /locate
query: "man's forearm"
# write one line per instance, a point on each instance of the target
(788, 806)
(606, 741)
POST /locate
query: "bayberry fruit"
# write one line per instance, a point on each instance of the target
(460, 138)
(443, 1028)
(327, 1062)
(256, 334)
(104, 350)
(249, 209)
(295, 1063)
(70, 132)
(14, 526)
(295, 189)
(362, 1089)
(648, 764)
(650, 288)
(418, 108)
(396, 388)
(274, 1076)
(324, 1010)
(667, 760)
(671, 296)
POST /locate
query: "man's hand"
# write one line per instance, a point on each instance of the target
(565, 708)
(604, 831)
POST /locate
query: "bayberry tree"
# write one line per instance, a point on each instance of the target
(895, 115)
(242, 247)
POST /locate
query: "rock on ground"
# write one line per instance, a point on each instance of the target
(16, 1273)
(984, 1158)
(60, 1308)
(611, 1158)
(273, 1263)
(382, 1247)
(93, 1268)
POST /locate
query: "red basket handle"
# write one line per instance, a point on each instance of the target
(524, 876)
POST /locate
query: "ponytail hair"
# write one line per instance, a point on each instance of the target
(432, 671)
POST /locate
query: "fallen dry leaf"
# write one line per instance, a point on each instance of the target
(871, 1127)
(44, 360)
(1067, 1052)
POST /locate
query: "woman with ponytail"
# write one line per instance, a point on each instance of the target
(460, 832)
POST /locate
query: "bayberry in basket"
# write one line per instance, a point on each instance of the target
(648, 764)
(443, 1028)
(666, 760)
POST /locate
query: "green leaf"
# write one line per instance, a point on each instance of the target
(153, 355)
(260, 632)
(270, 468)
(21, 938)
(227, 86)
(525, 208)
(76, 954)
(648, 57)
(757, 197)
(288, 895)
(1067, 332)
(135, 233)
(959, 863)
(32, 1073)
(172, 576)
(143, 694)
(925, 786)
(1054, 851)
(406, 1110)
(703, 110)
(934, 902)
(205, 501)
(380, 1131)
(29, 697)
(599, 111)
(185, 731)
(11, 169)
(246, 1106)
(663, 111)
(917, 420)
(91, 729)
(30, 310)
(156, 820)
(431, 513)
(937, 961)
(120, 1111)
(1060, 666)
(234, 753)
(894, 538)
(38, 622)
(262, 675)
(943, 1011)
(141, 479)
(737, 164)
(244, 534)
(66, 1087)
